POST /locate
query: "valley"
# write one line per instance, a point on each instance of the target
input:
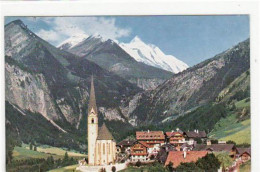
(137, 87)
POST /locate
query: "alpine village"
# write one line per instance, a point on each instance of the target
(91, 105)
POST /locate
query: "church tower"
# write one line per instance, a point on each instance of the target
(92, 125)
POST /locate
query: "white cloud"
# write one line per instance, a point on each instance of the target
(48, 35)
(64, 27)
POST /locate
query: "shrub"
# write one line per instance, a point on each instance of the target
(138, 163)
(113, 169)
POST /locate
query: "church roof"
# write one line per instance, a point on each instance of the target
(104, 134)
(92, 97)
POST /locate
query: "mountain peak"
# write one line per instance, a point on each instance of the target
(17, 22)
(153, 56)
(72, 41)
(98, 36)
(136, 39)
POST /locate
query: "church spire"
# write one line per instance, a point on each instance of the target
(92, 98)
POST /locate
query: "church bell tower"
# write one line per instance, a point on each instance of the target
(92, 125)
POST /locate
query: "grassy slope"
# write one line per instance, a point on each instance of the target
(57, 151)
(230, 128)
(65, 169)
(20, 153)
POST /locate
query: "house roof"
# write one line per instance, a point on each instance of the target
(177, 157)
(244, 150)
(126, 142)
(214, 147)
(104, 134)
(171, 134)
(145, 144)
(150, 135)
(193, 134)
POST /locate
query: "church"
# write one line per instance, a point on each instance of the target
(101, 144)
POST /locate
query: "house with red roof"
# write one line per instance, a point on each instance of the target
(178, 157)
(155, 138)
(175, 138)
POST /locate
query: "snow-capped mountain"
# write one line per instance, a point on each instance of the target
(72, 41)
(153, 56)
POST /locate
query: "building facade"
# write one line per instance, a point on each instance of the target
(101, 144)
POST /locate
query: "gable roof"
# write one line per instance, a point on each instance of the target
(214, 147)
(171, 134)
(92, 97)
(244, 150)
(104, 134)
(177, 157)
(150, 135)
(193, 134)
(126, 142)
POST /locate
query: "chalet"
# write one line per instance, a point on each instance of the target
(124, 145)
(191, 136)
(178, 157)
(153, 138)
(175, 138)
(229, 148)
(244, 154)
(139, 151)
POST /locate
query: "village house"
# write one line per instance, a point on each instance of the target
(244, 154)
(178, 157)
(153, 138)
(124, 146)
(192, 136)
(175, 138)
(211, 148)
(139, 151)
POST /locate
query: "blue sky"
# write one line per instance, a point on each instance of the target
(191, 39)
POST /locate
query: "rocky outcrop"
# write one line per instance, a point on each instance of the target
(147, 84)
(111, 114)
(28, 91)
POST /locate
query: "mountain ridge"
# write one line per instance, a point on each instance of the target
(110, 56)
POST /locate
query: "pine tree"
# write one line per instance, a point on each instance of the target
(31, 146)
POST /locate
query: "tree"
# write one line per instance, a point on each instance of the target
(188, 167)
(138, 163)
(198, 140)
(113, 169)
(35, 148)
(10, 144)
(169, 167)
(208, 163)
(243, 145)
(224, 159)
(65, 160)
(31, 146)
(214, 141)
(231, 142)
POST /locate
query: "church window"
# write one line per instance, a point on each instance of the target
(92, 120)
(104, 148)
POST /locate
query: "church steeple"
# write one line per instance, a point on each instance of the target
(92, 98)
